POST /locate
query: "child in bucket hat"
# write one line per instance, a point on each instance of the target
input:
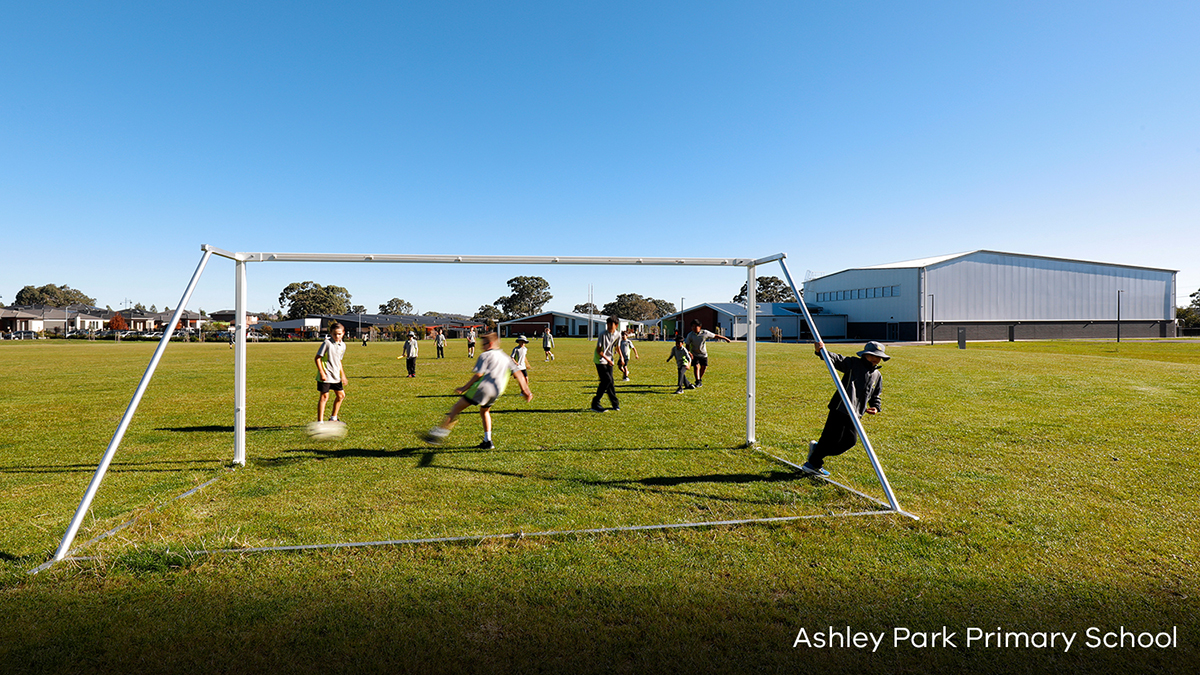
(864, 387)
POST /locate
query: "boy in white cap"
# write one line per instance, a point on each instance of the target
(518, 355)
(483, 389)
(864, 387)
(410, 354)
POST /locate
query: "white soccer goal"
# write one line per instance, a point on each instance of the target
(239, 413)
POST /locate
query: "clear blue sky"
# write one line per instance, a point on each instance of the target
(844, 134)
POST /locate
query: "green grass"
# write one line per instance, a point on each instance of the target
(1056, 484)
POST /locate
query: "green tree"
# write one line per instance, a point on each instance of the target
(1189, 317)
(662, 308)
(529, 295)
(358, 309)
(770, 289)
(586, 308)
(630, 306)
(306, 297)
(396, 307)
(488, 313)
(54, 296)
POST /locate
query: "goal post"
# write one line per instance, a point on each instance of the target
(240, 261)
(858, 427)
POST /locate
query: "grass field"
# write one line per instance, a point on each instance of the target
(1056, 485)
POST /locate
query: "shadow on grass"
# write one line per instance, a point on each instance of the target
(509, 411)
(118, 467)
(301, 454)
(651, 485)
(496, 617)
(380, 377)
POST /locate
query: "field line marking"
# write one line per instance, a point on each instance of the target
(523, 535)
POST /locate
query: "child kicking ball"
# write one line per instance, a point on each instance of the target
(491, 373)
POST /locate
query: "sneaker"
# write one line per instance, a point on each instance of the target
(597, 408)
(486, 445)
(616, 408)
(813, 472)
(678, 391)
(625, 380)
(699, 383)
(690, 386)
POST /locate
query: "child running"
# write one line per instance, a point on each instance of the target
(485, 387)
(864, 387)
(548, 344)
(626, 346)
(682, 362)
(518, 355)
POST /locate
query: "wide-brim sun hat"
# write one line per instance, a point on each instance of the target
(522, 338)
(874, 349)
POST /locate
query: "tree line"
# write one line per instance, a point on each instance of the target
(527, 295)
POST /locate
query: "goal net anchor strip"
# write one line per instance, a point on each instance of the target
(241, 259)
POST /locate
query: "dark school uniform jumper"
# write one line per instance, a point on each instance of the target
(864, 387)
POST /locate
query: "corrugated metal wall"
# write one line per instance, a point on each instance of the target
(989, 286)
(906, 306)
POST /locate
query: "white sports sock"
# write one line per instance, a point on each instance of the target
(487, 435)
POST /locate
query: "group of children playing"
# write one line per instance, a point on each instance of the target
(861, 381)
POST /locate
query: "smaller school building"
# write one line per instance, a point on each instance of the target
(561, 324)
(782, 321)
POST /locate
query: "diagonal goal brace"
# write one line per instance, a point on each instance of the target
(240, 292)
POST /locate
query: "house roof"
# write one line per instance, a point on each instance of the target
(389, 319)
(597, 318)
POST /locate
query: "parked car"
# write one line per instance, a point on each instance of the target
(25, 335)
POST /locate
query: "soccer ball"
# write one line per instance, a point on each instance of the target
(326, 431)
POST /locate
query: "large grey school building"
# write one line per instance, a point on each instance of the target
(998, 296)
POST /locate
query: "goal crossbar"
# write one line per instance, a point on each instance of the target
(240, 260)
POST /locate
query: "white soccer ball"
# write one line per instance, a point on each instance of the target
(326, 431)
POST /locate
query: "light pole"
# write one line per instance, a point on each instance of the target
(1119, 315)
(679, 327)
(931, 321)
